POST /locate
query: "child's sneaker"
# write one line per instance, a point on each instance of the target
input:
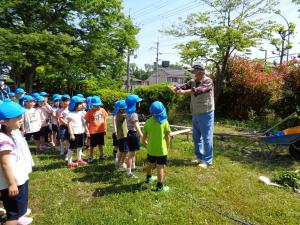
(2, 211)
(136, 169)
(81, 162)
(131, 175)
(163, 189)
(28, 212)
(90, 160)
(72, 165)
(151, 179)
(102, 157)
(24, 220)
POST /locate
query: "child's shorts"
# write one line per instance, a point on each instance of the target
(54, 127)
(97, 139)
(160, 160)
(36, 136)
(78, 142)
(115, 140)
(45, 131)
(133, 141)
(16, 206)
(63, 133)
(123, 147)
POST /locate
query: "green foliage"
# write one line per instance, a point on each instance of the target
(228, 27)
(288, 179)
(69, 38)
(109, 97)
(162, 92)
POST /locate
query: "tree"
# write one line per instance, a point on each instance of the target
(64, 36)
(191, 52)
(231, 25)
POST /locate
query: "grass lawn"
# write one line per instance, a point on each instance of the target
(99, 194)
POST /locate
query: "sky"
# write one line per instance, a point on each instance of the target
(153, 15)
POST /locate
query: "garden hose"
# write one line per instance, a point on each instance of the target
(203, 204)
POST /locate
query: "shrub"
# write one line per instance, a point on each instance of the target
(288, 179)
(174, 103)
(290, 95)
(249, 90)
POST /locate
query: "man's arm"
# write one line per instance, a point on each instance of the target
(204, 87)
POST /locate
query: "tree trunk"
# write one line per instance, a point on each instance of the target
(29, 79)
(221, 75)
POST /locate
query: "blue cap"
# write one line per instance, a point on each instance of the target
(120, 104)
(74, 100)
(42, 93)
(57, 98)
(55, 95)
(96, 101)
(89, 98)
(11, 94)
(27, 98)
(66, 96)
(10, 109)
(35, 95)
(158, 111)
(80, 95)
(131, 101)
(40, 98)
(20, 91)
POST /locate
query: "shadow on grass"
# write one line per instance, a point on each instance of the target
(256, 155)
(50, 166)
(98, 172)
(117, 189)
(180, 162)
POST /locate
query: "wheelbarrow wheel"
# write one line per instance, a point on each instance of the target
(295, 150)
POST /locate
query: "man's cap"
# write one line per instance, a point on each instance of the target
(131, 101)
(196, 67)
(10, 109)
(20, 91)
(159, 112)
(27, 98)
(96, 101)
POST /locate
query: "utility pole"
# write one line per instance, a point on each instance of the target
(157, 44)
(128, 71)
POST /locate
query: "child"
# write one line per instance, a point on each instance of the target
(12, 96)
(114, 134)
(20, 93)
(32, 121)
(157, 137)
(134, 130)
(54, 133)
(96, 120)
(121, 131)
(16, 164)
(62, 122)
(77, 127)
(46, 112)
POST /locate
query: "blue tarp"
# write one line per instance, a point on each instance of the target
(283, 139)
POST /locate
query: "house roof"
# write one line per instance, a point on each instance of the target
(174, 72)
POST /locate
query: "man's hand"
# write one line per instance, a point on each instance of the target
(173, 87)
(72, 137)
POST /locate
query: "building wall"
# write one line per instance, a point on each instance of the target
(162, 77)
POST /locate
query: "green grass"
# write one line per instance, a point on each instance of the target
(98, 194)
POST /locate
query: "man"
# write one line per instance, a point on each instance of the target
(202, 108)
(4, 90)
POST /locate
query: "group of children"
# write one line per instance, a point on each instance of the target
(70, 124)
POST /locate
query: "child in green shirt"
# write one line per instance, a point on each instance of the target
(157, 138)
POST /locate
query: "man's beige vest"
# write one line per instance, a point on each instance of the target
(202, 103)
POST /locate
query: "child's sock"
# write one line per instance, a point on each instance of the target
(79, 152)
(128, 170)
(69, 156)
(115, 155)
